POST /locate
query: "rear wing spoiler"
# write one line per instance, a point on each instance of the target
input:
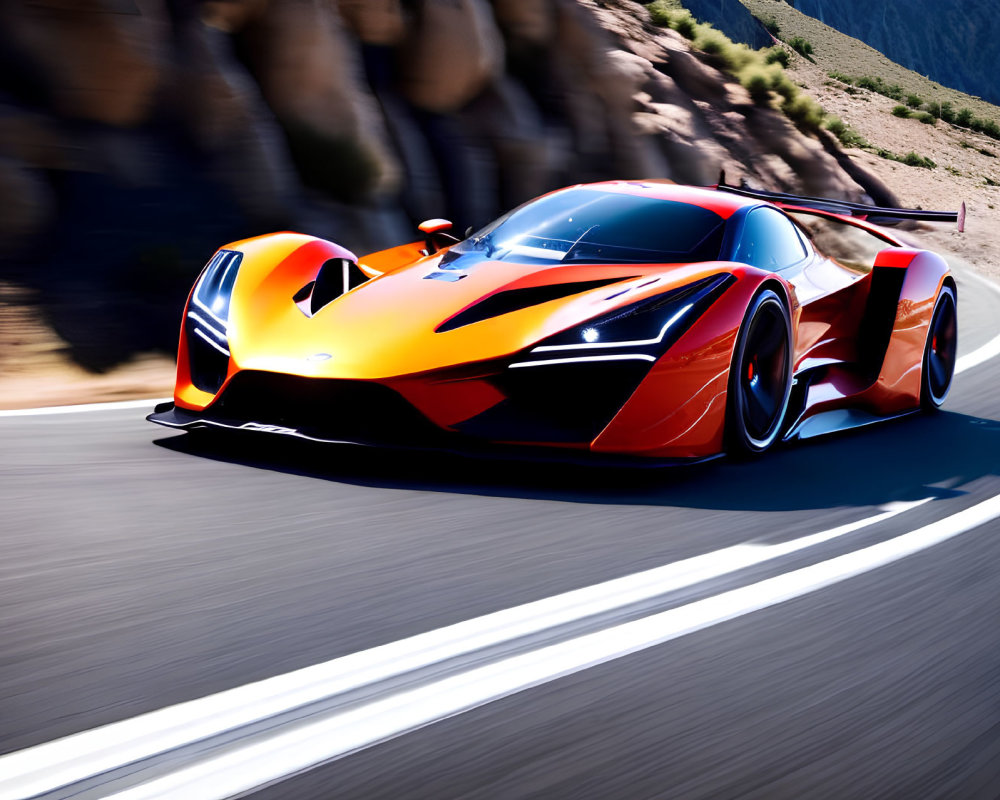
(874, 214)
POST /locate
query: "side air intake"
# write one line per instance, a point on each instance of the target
(337, 276)
(515, 299)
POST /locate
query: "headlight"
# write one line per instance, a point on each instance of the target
(207, 323)
(641, 331)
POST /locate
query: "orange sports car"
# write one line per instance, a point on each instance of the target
(633, 320)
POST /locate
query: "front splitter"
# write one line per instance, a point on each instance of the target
(168, 415)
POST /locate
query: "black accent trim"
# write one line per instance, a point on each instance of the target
(207, 366)
(331, 282)
(504, 302)
(558, 402)
(842, 206)
(703, 292)
(879, 317)
(175, 418)
(352, 410)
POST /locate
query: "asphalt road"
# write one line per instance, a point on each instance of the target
(142, 568)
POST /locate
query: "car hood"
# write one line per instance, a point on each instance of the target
(424, 317)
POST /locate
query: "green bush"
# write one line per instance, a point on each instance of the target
(913, 101)
(758, 83)
(901, 111)
(947, 112)
(684, 24)
(760, 80)
(964, 117)
(853, 139)
(771, 24)
(660, 13)
(777, 55)
(804, 112)
(911, 159)
(847, 136)
(840, 76)
(801, 46)
(892, 91)
(784, 86)
(926, 118)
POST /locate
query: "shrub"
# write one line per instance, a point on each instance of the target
(712, 41)
(801, 46)
(771, 24)
(783, 85)
(927, 118)
(991, 129)
(777, 55)
(911, 159)
(684, 24)
(964, 117)
(913, 101)
(660, 13)
(760, 79)
(836, 126)
(804, 112)
(847, 136)
(840, 76)
(947, 112)
(892, 91)
(758, 83)
(901, 111)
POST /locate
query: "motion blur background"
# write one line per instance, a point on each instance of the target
(136, 136)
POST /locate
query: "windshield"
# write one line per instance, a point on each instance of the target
(588, 225)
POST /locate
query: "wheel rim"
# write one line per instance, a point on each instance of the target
(942, 341)
(763, 373)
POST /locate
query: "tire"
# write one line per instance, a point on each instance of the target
(760, 378)
(938, 365)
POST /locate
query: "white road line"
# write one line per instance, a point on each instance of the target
(119, 404)
(989, 350)
(287, 751)
(64, 761)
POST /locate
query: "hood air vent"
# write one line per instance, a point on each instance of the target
(337, 276)
(515, 299)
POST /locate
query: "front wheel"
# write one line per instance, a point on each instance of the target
(760, 379)
(938, 366)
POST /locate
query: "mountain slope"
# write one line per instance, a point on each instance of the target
(835, 51)
(953, 43)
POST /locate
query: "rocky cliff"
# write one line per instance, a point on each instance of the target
(955, 43)
(138, 135)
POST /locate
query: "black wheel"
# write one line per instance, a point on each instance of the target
(760, 379)
(939, 351)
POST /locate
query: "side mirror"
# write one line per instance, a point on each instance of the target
(437, 233)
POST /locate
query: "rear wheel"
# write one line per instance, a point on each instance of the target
(760, 378)
(939, 351)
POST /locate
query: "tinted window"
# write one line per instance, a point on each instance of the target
(769, 241)
(587, 225)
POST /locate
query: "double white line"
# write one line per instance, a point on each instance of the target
(235, 741)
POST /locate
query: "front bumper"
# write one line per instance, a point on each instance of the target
(424, 437)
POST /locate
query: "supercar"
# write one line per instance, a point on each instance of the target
(635, 320)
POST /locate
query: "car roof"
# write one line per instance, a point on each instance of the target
(723, 204)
